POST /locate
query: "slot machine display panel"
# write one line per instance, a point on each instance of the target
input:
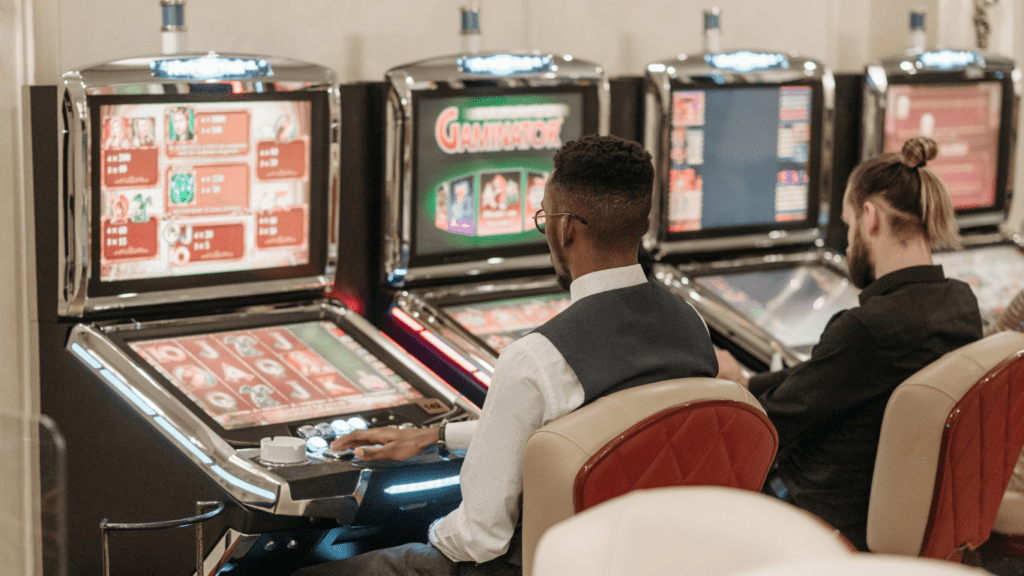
(742, 144)
(470, 147)
(967, 101)
(196, 202)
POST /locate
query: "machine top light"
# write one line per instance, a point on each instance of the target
(949, 59)
(211, 67)
(746, 61)
(505, 64)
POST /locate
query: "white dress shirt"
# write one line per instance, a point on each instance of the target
(531, 386)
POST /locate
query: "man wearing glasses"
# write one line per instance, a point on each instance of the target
(620, 331)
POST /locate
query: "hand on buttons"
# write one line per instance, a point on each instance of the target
(394, 444)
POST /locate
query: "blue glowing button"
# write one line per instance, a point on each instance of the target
(316, 444)
(341, 427)
(307, 431)
(948, 59)
(746, 61)
(358, 423)
(211, 68)
(326, 430)
(505, 64)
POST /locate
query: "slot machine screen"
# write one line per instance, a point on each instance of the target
(207, 189)
(277, 374)
(966, 122)
(742, 159)
(792, 304)
(481, 159)
(994, 273)
(502, 322)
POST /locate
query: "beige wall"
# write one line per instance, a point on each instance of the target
(360, 40)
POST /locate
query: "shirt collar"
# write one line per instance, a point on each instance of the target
(898, 278)
(605, 280)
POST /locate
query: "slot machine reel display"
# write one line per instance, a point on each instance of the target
(470, 141)
(187, 350)
(742, 143)
(967, 101)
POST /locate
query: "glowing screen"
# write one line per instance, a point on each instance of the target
(203, 187)
(995, 273)
(502, 322)
(964, 121)
(739, 156)
(276, 374)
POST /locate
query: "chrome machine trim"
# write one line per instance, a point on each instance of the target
(169, 75)
(725, 318)
(956, 65)
(234, 470)
(738, 67)
(457, 71)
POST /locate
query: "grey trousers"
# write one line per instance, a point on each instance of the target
(407, 560)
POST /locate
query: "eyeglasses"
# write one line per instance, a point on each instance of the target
(540, 217)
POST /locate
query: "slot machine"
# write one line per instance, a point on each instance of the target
(742, 143)
(186, 230)
(469, 147)
(967, 101)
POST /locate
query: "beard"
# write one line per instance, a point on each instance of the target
(858, 258)
(562, 274)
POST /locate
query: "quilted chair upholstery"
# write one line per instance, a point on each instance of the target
(707, 530)
(950, 438)
(689, 431)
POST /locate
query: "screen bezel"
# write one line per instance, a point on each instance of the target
(810, 221)
(253, 434)
(319, 180)
(1006, 126)
(590, 116)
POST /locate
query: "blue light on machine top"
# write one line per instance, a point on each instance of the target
(243, 484)
(86, 356)
(341, 427)
(948, 59)
(211, 68)
(185, 442)
(422, 486)
(505, 64)
(358, 423)
(746, 61)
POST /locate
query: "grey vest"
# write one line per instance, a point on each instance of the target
(631, 336)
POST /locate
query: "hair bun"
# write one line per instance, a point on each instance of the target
(917, 151)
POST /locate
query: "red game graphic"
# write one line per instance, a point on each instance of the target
(270, 375)
(193, 134)
(500, 203)
(207, 189)
(964, 121)
(130, 168)
(281, 228)
(535, 183)
(278, 160)
(126, 240)
(211, 243)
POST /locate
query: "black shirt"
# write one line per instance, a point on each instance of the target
(828, 410)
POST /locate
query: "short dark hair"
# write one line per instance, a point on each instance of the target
(607, 181)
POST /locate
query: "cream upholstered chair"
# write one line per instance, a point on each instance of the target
(950, 437)
(689, 431)
(706, 530)
(862, 564)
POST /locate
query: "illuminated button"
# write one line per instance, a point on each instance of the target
(358, 423)
(326, 430)
(316, 444)
(307, 431)
(341, 427)
(339, 454)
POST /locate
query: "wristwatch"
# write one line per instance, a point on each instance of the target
(442, 446)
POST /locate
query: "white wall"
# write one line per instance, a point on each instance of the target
(360, 40)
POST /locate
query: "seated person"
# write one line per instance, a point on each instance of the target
(1012, 318)
(828, 410)
(620, 331)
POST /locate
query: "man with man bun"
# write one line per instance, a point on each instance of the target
(828, 410)
(621, 331)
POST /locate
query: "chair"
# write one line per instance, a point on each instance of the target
(950, 437)
(861, 564)
(706, 530)
(688, 431)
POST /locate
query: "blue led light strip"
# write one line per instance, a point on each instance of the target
(128, 393)
(422, 486)
(86, 356)
(183, 440)
(243, 484)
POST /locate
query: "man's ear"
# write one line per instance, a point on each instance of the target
(871, 217)
(569, 229)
